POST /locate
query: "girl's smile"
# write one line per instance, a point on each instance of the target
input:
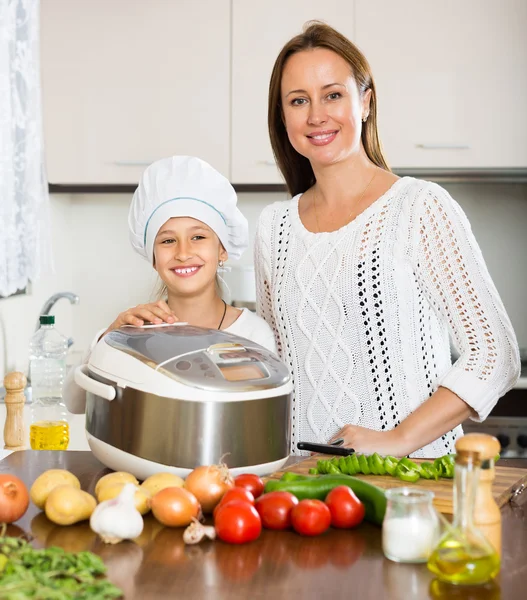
(186, 271)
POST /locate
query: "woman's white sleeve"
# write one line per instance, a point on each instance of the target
(75, 396)
(453, 274)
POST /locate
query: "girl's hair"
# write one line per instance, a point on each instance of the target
(295, 168)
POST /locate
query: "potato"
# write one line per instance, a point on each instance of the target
(110, 491)
(117, 477)
(67, 505)
(160, 481)
(49, 480)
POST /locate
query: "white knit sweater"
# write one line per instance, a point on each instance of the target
(362, 315)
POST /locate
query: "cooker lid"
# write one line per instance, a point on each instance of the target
(204, 358)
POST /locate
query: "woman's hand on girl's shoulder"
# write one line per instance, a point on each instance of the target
(154, 312)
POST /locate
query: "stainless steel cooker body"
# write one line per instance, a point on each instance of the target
(189, 431)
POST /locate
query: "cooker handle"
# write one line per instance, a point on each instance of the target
(92, 385)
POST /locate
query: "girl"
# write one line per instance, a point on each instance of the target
(185, 222)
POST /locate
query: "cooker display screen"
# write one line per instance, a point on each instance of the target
(242, 372)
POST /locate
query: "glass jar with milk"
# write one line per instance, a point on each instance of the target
(410, 529)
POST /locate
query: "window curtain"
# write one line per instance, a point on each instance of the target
(25, 236)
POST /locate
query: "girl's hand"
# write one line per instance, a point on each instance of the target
(368, 441)
(155, 312)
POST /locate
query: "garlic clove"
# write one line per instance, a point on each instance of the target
(195, 532)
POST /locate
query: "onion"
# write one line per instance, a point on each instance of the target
(208, 484)
(14, 498)
(175, 507)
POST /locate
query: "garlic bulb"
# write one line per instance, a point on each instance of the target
(118, 519)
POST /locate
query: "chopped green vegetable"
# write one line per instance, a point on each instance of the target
(407, 470)
(390, 464)
(445, 465)
(333, 469)
(343, 465)
(364, 466)
(377, 464)
(404, 468)
(428, 471)
(51, 573)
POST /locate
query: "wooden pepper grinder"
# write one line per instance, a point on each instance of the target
(14, 431)
(487, 515)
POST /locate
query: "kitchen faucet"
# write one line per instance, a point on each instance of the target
(48, 305)
(50, 302)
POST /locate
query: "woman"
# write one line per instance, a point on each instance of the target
(363, 275)
(184, 221)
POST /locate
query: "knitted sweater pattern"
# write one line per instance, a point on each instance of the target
(363, 315)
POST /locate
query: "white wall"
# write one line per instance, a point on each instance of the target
(19, 314)
(94, 259)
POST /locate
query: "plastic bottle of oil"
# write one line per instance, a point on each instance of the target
(49, 427)
(463, 555)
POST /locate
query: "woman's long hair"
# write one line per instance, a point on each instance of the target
(295, 168)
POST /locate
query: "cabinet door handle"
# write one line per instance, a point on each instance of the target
(92, 385)
(267, 163)
(443, 146)
(132, 163)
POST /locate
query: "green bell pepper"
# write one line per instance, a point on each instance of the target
(363, 463)
(377, 464)
(390, 464)
(445, 465)
(407, 470)
(428, 471)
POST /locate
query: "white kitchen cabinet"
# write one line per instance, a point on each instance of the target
(451, 79)
(259, 31)
(126, 82)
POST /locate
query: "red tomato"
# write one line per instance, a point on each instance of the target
(346, 509)
(235, 493)
(237, 522)
(310, 517)
(275, 509)
(250, 482)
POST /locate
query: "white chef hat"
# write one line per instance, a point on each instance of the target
(185, 186)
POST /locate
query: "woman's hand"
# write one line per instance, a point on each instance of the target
(368, 441)
(155, 312)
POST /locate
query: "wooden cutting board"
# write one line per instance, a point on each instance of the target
(507, 480)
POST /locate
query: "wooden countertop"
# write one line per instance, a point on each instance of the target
(279, 565)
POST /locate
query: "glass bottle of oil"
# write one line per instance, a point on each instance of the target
(49, 427)
(463, 555)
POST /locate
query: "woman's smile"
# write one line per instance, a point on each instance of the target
(322, 138)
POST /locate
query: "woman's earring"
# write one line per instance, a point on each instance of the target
(364, 119)
(220, 264)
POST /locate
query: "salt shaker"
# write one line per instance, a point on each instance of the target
(410, 529)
